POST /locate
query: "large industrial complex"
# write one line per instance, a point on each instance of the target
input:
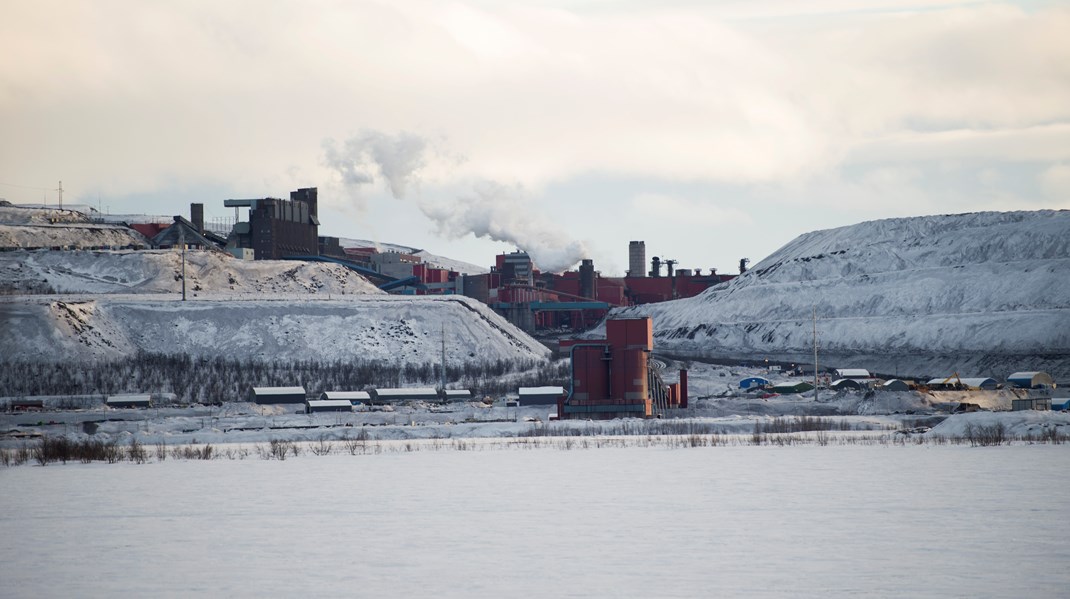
(534, 301)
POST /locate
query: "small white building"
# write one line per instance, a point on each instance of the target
(408, 394)
(129, 401)
(1031, 380)
(353, 397)
(853, 373)
(458, 394)
(328, 405)
(277, 395)
(540, 396)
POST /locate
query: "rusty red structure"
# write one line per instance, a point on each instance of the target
(612, 377)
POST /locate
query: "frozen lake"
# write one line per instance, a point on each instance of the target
(939, 521)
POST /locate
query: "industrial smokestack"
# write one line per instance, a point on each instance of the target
(587, 278)
(637, 259)
(196, 216)
(655, 267)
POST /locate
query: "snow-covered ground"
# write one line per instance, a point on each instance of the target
(159, 271)
(371, 327)
(983, 294)
(947, 521)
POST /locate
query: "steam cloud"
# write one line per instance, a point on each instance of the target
(496, 212)
(397, 158)
(493, 211)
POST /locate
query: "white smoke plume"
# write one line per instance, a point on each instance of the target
(396, 158)
(495, 211)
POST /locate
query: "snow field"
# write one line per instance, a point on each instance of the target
(731, 521)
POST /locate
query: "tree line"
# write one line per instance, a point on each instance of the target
(212, 380)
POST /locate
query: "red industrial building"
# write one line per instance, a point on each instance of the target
(612, 377)
(578, 299)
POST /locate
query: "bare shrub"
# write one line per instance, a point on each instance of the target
(136, 452)
(984, 436)
(280, 449)
(322, 446)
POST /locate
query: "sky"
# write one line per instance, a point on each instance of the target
(713, 130)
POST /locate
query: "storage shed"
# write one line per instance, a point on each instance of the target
(1031, 380)
(1032, 403)
(846, 384)
(398, 395)
(353, 397)
(853, 373)
(328, 405)
(985, 384)
(128, 401)
(754, 382)
(540, 396)
(277, 395)
(1061, 404)
(458, 394)
(952, 383)
(789, 388)
(895, 385)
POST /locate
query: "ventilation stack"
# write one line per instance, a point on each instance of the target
(587, 278)
(637, 259)
(196, 216)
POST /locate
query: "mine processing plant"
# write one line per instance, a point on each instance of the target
(613, 377)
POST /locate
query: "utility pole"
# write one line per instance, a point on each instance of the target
(182, 242)
(443, 357)
(60, 190)
(815, 354)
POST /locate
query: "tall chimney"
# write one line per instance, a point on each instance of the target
(637, 259)
(196, 216)
(587, 278)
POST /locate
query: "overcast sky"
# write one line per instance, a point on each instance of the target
(711, 130)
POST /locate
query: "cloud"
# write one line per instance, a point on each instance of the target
(1055, 183)
(651, 208)
(397, 158)
(132, 96)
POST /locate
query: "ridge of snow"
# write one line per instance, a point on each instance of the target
(989, 285)
(371, 327)
(160, 271)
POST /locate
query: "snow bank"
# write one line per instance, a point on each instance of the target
(1016, 424)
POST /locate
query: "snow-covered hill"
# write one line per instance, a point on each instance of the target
(396, 328)
(160, 271)
(982, 293)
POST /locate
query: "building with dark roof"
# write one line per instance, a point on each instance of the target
(278, 228)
